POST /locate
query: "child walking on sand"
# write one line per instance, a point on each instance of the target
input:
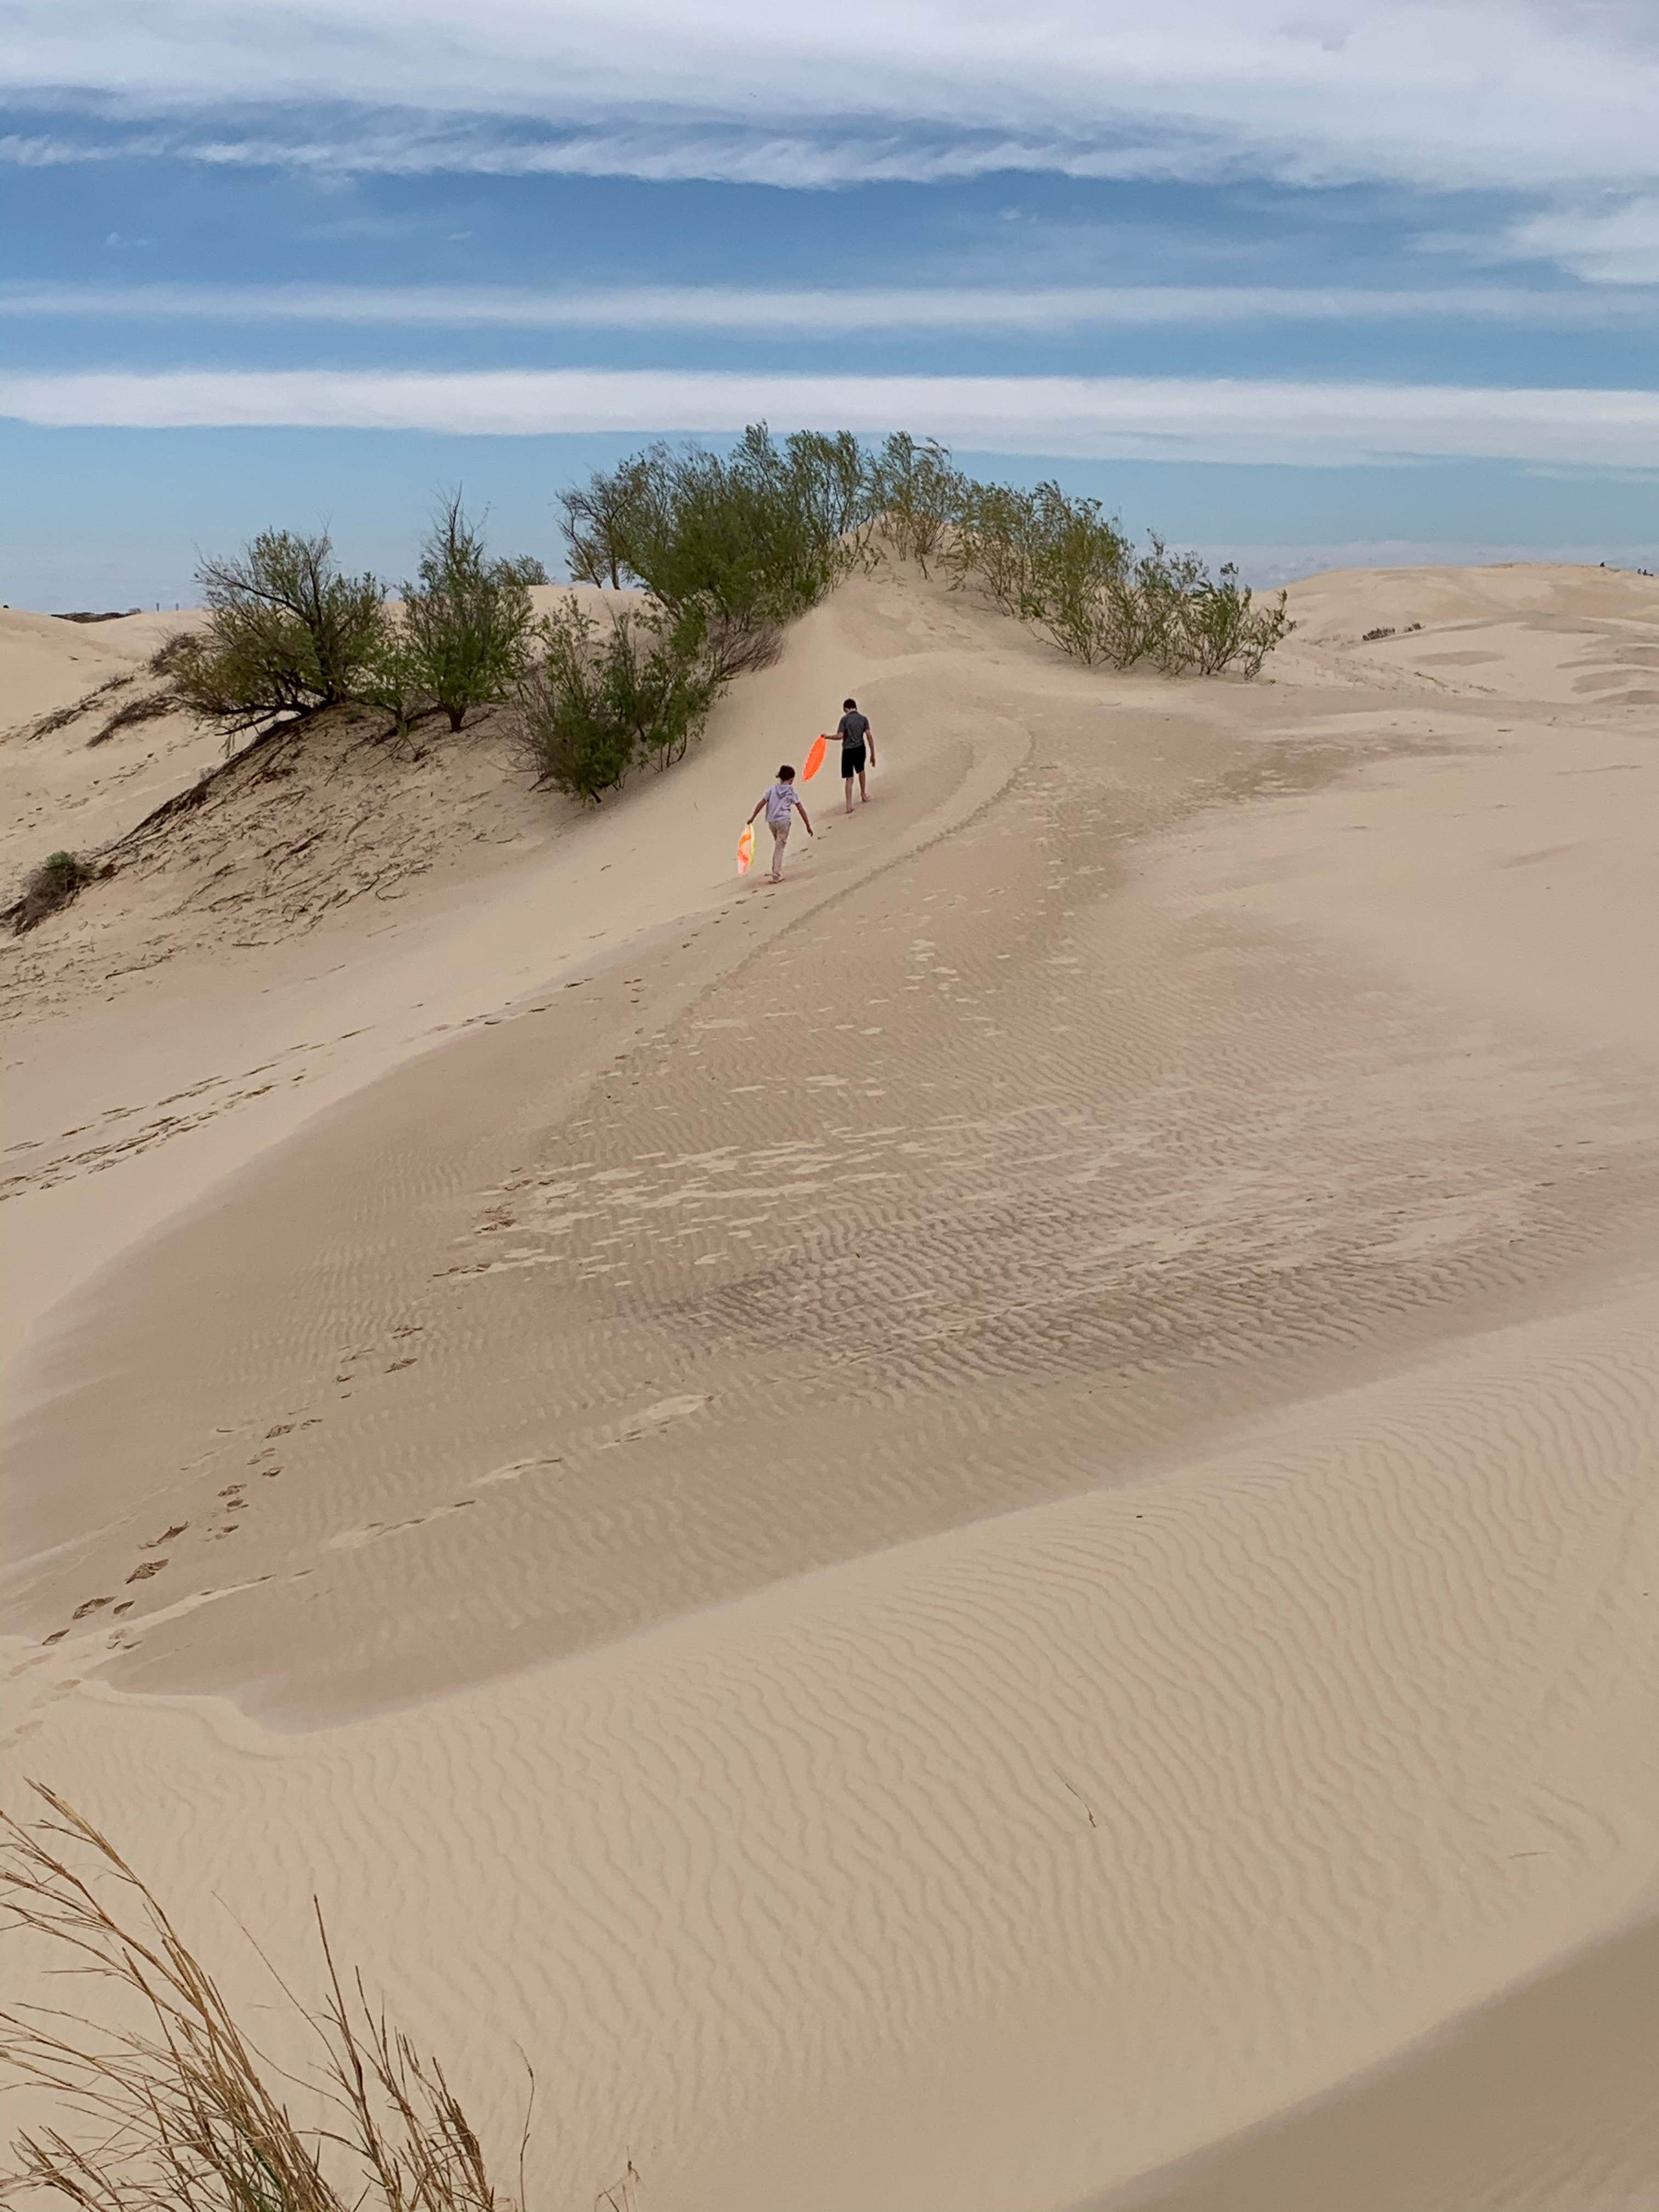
(856, 738)
(781, 800)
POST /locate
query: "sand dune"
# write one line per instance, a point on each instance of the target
(976, 1533)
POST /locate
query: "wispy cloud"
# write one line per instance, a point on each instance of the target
(1534, 94)
(1606, 244)
(868, 311)
(1149, 418)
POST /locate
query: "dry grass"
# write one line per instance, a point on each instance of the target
(161, 2103)
(148, 707)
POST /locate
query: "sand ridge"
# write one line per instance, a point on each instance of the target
(1005, 1495)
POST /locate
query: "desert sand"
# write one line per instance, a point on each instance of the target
(977, 1534)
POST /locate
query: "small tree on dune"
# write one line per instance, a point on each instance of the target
(286, 632)
(465, 637)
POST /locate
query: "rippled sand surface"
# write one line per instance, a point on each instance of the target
(980, 1532)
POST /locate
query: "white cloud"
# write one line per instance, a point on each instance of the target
(783, 313)
(1523, 93)
(1604, 245)
(1170, 418)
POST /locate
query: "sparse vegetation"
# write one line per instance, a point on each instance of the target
(56, 882)
(756, 538)
(286, 633)
(602, 697)
(1063, 565)
(148, 707)
(750, 540)
(60, 718)
(917, 497)
(464, 638)
(169, 2106)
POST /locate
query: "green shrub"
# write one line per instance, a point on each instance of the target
(1227, 629)
(753, 538)
(918, 496)
(1063, 565)
(993, 544)
(286, 633)
(604, 697)
(525, 568)
(393, 678)
(596, 519)
(463, 640)
(1075, 569)
(56, 882)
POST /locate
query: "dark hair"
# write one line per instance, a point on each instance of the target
(786, 773)
(848, 705)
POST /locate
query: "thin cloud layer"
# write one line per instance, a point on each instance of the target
(1171, 418)
(868, 309)
(1512, 93)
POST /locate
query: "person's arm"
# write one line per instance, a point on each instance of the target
(805, 818)
(759, 804)
(870, 739)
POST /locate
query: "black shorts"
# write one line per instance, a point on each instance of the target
(852, 759)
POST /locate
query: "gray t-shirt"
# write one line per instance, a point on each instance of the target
(854, 728)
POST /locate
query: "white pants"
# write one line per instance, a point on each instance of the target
(779, 839)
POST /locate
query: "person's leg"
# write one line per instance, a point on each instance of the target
(863, 792)
(847, 786)
(779, 839)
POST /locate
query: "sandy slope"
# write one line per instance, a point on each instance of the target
(71, 785)
(964, 1535)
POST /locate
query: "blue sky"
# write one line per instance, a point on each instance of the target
(1356, 280)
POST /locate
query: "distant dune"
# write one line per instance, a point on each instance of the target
(976, 1533)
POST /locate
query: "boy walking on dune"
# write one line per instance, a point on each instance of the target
(780, 801)
(857, 738)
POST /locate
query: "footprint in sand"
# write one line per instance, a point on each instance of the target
(142, 1574)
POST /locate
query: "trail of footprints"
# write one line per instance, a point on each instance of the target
(225, 1514)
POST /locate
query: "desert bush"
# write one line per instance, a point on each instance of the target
(172, 2107)
(596, 520)
(993, 542)
(286, 633)
(171, 654)
(604, 697)
(1063, 565)
(392, 679)
(754, 537)
(525, 568)
(1225, 628)
(918, 493)
(59, 880)
(464, 639)
(1074, 576)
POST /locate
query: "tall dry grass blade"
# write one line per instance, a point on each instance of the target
(161, 2102)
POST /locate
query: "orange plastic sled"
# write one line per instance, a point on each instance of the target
(745, 848)
(814, 759)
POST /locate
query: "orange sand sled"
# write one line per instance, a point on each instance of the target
(745, 848)
(814, 759)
